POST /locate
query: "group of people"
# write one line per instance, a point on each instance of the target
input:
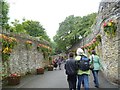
(77, 75)
(57, 62)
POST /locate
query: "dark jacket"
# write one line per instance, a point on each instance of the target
(70, 66)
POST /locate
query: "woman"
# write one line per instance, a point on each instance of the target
(96, 63)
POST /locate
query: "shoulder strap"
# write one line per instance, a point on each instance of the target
(92, 59)
(81, 57)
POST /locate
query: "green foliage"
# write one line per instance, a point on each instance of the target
(110, 28)
(35, 29)
(98, 38)
(17, 27)
(4, 8)
(29, 44)
(8, 43)
(53, 44)
(5, 56)
(72, 29)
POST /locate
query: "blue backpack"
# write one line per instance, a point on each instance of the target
(84, 63)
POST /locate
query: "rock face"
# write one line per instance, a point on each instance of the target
(109, 48)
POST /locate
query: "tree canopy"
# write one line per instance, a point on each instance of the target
(33, 28)
(72, 29)
(4, 9)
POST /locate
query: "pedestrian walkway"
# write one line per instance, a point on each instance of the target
(56, 79)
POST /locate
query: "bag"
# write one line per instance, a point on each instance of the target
(91, 65)
(84, 63)
(55, 64)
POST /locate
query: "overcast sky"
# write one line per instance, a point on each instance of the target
(50, 12)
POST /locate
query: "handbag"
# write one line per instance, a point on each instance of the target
(91, 65)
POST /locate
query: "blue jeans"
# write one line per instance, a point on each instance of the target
(95, 75)
(83, 78)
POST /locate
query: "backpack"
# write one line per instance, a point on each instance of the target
(84, 63)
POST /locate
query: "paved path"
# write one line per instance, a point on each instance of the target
(55, 79)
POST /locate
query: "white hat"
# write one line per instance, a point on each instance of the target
(79, 51)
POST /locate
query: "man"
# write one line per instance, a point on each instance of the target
(82, 75)
(71, 71)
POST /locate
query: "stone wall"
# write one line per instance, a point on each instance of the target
(109, 45)
(22, 60)
(109, 48)
(25, 61)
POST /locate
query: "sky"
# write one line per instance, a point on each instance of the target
(50, 12)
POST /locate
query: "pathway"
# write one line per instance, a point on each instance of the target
(55, 79)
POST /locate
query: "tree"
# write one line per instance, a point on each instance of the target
(35, 29)
(17, 27)
(4, 13)
(71, 29)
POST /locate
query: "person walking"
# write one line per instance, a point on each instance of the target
(83, 75)
(59, 62)
(55, 63)
(70, 69)
(95, 60)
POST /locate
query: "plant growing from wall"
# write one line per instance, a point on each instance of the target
(110, 28)
(39, 47)
(6, 53)
(42, 47)
(91, 45)
(8, 43)
(29, 44)
(98, 38)
(45, 49)
(50, 59)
